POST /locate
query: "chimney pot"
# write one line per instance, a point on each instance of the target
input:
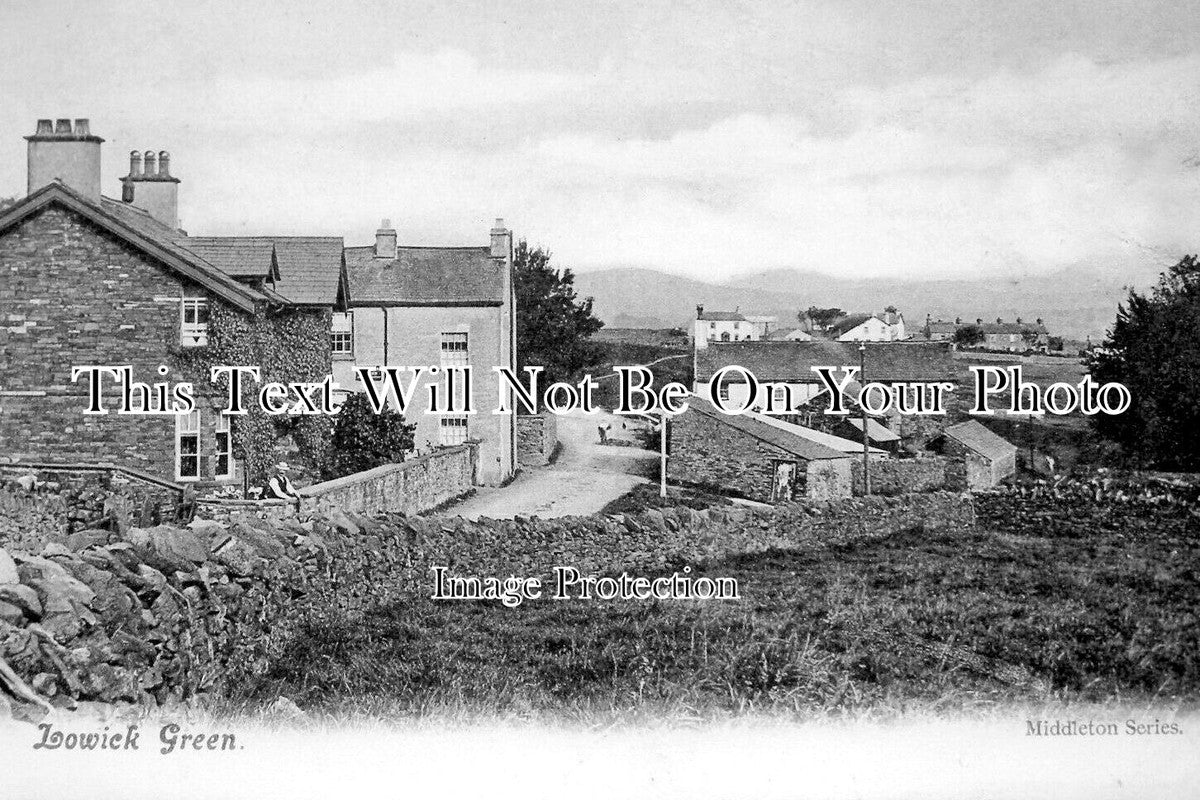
(135, 163)
(979, 320)
(1039, 320)
(164, 164)
(82, 128)
(1018, 320)
(958, 320)
(699, 311)
(998, 320)
(45, 127)
(149, 164)
(62, 127)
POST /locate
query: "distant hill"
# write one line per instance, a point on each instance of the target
(1075, 302)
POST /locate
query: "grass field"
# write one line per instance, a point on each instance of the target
(963, 622)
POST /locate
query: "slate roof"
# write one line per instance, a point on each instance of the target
(426, 276)
(974, 436)
(721, 316)
(779, 437)
(887, 362)
(139, 230)
(848, 323)
(241, 258)
(876, 431)
(310, 267)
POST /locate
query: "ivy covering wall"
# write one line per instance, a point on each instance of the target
(287, 345)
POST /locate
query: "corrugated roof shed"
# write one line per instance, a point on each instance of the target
(974, 436)
(426, 276)
(792, 361)
(786, 440)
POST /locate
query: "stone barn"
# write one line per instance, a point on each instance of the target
(989, 458)
(752, 458)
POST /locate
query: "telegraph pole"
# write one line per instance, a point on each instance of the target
(862, 385)
(662, 438)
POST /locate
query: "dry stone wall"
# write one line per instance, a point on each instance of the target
(536, 437)
(162, 613)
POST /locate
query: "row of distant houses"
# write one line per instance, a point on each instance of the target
(733, 326)
(87, 279)
(887, 326)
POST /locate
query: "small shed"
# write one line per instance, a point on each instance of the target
(753, 458)
(990, 458)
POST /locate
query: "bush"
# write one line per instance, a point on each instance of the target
(364, 440)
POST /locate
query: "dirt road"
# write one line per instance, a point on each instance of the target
(582, 480)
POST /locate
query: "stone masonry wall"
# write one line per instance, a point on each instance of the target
(41, 503)
(705, 452)
(167, 613)
(904, 475)
(72, 295)
(537, 436)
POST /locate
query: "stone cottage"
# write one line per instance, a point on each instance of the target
(92, 280)
(989, 458)
(749, 456)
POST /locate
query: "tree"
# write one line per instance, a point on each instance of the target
(1153, 348)
(820, 318)
(364, 440)
(968, 336)
(554, 327)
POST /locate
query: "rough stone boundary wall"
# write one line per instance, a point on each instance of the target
(536, 437)
(167, 613)
(905, 475)
(1087, 508)
(47, 502)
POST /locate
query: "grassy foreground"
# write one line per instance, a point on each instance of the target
(962, 622)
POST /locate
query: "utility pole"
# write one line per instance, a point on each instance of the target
(662, 438)
(862, 384)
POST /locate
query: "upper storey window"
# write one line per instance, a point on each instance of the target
(194, 325)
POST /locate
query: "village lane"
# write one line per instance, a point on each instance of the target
(584, 477)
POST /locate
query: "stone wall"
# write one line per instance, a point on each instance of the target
(411, 487)
(537, 436)
(416, 486)
(905, 475)
(44, 502)
(168, 613)
(1078, 508)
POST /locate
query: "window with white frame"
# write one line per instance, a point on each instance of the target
(194, 322)
(187, 446)
(454, 350)
(452, 430)
(341, 335)
(224, 467)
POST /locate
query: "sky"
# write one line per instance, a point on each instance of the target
(708, 139)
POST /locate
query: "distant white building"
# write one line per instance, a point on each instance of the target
(885, 327)
(727, 326)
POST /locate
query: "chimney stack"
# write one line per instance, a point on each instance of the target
(58, 151)
(699, 311)
(958, 320)
(151, 187)
(385, 240)
(979, 320)
(501, 240)
(1018, 320)
(1039, 321)
(999, 321)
